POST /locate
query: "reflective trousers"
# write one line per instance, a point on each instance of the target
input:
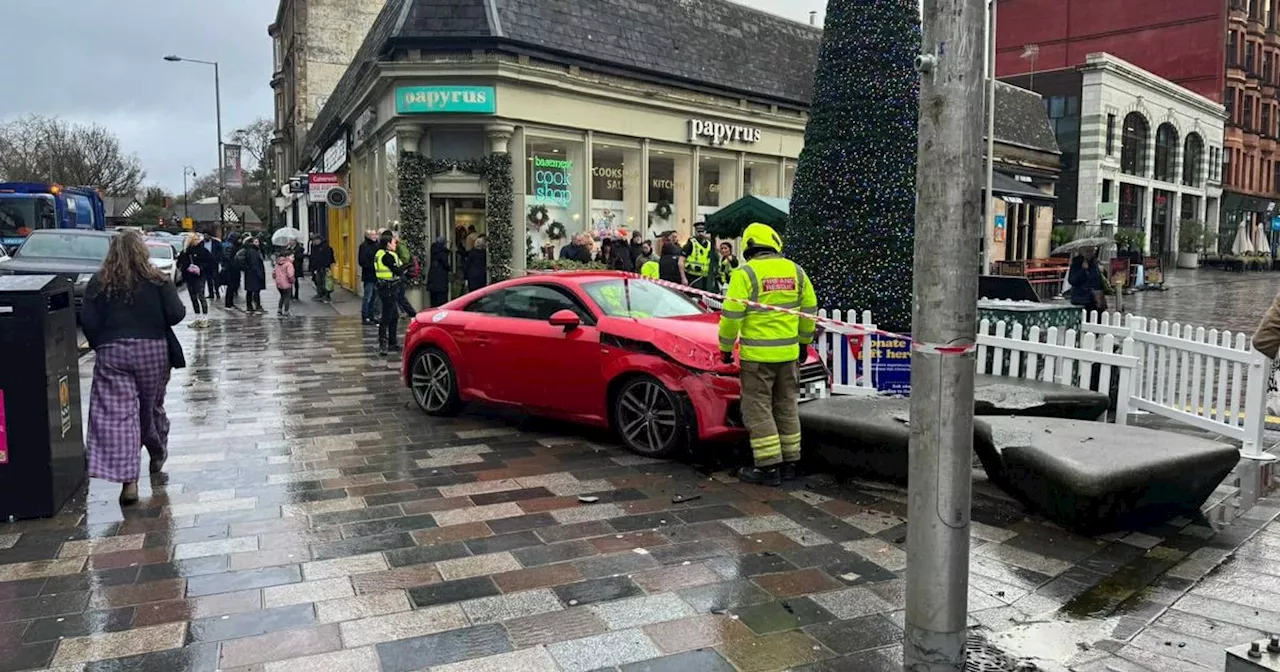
(770, 410)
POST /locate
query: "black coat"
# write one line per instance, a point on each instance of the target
(621, 260)
(255, 273)
(440, 268)
(299, 258)
(197, 256)
(321, 256)
(574, 252)
(1085, 280)
(476, 269)
(365, 258)
(230, 273)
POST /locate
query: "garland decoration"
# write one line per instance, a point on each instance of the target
(556, 231)
(662, 210)
(538, 216)
(495, 169)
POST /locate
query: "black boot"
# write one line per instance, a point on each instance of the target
(790, 471)
(382, 347)
(760, 476)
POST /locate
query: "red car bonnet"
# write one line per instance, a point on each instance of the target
(692, 341)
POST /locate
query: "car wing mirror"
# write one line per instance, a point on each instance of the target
(566, 319)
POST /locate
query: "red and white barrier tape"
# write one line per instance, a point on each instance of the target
(849, 328)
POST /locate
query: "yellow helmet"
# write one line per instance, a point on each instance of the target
(761, 235)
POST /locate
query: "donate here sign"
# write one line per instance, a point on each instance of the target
(446, 100)
(553, 180)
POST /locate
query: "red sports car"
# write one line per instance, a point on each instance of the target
(592, 347)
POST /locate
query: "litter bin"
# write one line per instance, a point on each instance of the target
(42, 460)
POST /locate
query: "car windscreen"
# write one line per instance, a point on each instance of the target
(639, 298)
(64, 246)
(160, 251)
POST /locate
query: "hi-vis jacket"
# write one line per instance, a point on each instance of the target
(765, 335)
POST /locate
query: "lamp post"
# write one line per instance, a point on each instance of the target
(186, 194)
(217, 101)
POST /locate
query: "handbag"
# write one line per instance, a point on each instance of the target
(177, 358)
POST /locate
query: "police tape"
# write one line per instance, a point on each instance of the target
(847, 328)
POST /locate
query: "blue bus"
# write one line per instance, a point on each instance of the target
(28, 206)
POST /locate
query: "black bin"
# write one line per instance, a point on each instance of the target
(42, 459)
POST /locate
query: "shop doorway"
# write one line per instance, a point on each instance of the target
(459, 220)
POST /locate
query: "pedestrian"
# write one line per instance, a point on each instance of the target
(727, 263)
(299, 261)
(621, 259)
(285, 277)
(411, 271)
(129, 310)
(636, 248)
(368, 277)
(255, 275)
(772, 346)
(322, 260)
(387, 271)
(194, 263)
(671, 264)
(476, 270)
(438, 273)
(472, 237)
(1086, 281)
(697, 254)
(578, 249)
(230, 274)
(646, 255)
(604, 256)
(214, 247)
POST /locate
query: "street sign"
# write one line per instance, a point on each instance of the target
(320, 184)
(188, 224)
(298, 184)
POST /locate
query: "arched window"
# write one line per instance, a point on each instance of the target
(1133, 144)
(1192, 160)
(1166, 152)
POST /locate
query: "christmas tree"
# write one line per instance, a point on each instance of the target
(853, 206)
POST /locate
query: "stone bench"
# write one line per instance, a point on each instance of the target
(1000, 395)
(1096, 477)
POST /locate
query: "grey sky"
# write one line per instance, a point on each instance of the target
(100, 61)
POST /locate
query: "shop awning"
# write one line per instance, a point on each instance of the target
(1232, 201)
(729, 221)
(1011, 190)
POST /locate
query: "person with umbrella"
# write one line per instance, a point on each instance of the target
(1086, 281)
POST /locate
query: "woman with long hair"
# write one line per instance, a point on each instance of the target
(193, 263)
(129, 310)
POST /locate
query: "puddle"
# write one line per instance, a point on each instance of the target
(1050, 645)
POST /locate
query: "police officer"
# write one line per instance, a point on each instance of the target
(387, 270)
(772, 346)
(697, 253)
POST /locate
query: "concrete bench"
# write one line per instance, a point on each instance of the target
(1096, 477)
(1000, 395)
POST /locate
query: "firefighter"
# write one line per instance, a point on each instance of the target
(697, 254)
(772, 346)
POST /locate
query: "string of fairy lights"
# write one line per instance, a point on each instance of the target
(852, 224)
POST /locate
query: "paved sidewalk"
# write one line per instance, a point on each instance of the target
(311, 519)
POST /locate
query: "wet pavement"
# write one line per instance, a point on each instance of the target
(311, 519)
(1209, 298)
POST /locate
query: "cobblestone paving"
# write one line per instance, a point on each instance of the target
(310, 519)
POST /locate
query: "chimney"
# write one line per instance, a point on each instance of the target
(813, 18)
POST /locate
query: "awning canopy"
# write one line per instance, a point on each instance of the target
(732, 219)
(1011, 190)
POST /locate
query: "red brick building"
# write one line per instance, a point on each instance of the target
(1225, 50)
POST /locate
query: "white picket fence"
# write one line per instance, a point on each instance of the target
(1205, 378)
(1210, 379)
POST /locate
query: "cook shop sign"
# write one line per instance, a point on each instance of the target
(717, 133)
(552, 180)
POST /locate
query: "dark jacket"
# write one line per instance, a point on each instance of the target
(214, 249)
(575, 252)
(255, 274)
(476, 269)
(145, 314)
(197, 256)
(1085, 280)
(621, 260)
(299, 258)
(230, 273)
(669, 263)
(438, 272)
(365, 259)
(636, 250)
(321, 256)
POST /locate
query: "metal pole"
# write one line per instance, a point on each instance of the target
(988, 205)
(944, 312)
(186, 195)
(222, 175)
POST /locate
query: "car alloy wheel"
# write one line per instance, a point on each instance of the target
(432, 382)
(647, 418)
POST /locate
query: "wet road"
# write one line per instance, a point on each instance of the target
(310, 519)
(1210, 299)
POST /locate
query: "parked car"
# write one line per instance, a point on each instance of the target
(164, 258)
(74, 254)
(592, 347)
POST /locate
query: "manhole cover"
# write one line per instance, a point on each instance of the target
(981, 656)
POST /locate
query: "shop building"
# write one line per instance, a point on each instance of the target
(645, 117)
(1139, 151)
(1024, 179)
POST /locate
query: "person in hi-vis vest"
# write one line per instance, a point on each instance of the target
(771, 347)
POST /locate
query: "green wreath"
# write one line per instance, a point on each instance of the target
(556, 231)
(662, 210)
(538, 216)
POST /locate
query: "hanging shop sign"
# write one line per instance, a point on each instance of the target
(716, 133)
(319, 185)
(446, 100)
(335, 157)
(553, 180)
(363, 128)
